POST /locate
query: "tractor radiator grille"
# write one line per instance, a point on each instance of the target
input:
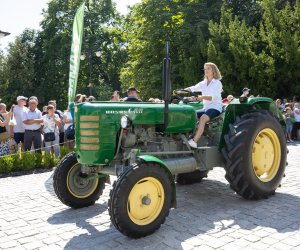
(89, 126)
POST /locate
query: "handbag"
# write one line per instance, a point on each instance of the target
(49, 136)
(12, 121)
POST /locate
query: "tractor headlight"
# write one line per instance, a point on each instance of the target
(125, 121)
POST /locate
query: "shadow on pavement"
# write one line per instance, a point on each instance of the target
(212, 208)
(49, 185)
(83, 219)
(209, 207)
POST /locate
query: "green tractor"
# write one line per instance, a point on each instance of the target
(146, 146)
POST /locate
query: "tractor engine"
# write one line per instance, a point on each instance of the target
(147, 139)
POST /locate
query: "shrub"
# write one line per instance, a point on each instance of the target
(29, 161)
(64, 151)
(18, 163)
(6, 164)
(38, 160)
(47, 161)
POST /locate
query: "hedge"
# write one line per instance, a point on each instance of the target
(29, 161)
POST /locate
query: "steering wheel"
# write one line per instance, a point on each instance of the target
(175, 92)
(177, 97)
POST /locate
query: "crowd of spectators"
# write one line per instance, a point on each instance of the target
(28, 128)
(291, 113)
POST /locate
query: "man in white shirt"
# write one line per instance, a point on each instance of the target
(17, 131)
(211, 89)
(32, 119)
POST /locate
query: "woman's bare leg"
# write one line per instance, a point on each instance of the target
(203, 120)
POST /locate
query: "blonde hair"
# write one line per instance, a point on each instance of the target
(216, 72)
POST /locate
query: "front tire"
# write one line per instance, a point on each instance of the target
(255, 155)
(140, 200)
(73, 188)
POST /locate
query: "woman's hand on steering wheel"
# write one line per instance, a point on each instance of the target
(181, 91)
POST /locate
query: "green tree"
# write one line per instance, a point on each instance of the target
(266, 57)
(2, 78)
(102, 33)
(18, 76)
(250, 11)
(281, 35)
(147, 28)
(235, 47)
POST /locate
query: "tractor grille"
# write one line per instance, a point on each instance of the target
(89, 126)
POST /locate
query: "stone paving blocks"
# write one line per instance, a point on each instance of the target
(209, 215)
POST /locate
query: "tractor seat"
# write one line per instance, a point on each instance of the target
(217, 120)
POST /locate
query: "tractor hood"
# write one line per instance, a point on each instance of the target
(97, 125)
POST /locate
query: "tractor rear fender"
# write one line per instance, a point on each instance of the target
(236, 109)
(153, 159)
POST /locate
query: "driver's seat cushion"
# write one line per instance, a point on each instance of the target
(216, 121)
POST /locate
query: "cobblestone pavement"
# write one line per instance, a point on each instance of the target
(209, 216)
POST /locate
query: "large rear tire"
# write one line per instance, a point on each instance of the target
(140, 200)
(73, 188)
(255, 155)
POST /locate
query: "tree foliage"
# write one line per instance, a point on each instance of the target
(38, 63)
(102, 32)
(266, 57)
(254, 43)
(18, 75)
(148, 27)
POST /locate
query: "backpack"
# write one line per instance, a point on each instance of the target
(70, 132)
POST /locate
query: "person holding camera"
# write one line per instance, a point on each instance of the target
(51, 123)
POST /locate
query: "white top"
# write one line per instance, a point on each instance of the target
(297, 114)
(214, 89)
(49, 124)
(31, 115)
(67, 116)
(18, 114)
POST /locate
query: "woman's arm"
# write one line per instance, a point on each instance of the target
(57, 120)
(6, 121)
(33, 121)
(204, 97)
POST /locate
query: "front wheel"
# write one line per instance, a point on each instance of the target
(73, 188)
(140, 200)
(255, 155)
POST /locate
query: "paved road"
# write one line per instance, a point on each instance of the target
(209, 216)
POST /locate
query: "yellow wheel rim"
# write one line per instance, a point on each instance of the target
(145, 201)
(266, 155)
(78, 186)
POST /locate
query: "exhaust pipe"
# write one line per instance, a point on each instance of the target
(166, 83)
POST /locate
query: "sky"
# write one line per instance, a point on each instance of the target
(17, 15)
